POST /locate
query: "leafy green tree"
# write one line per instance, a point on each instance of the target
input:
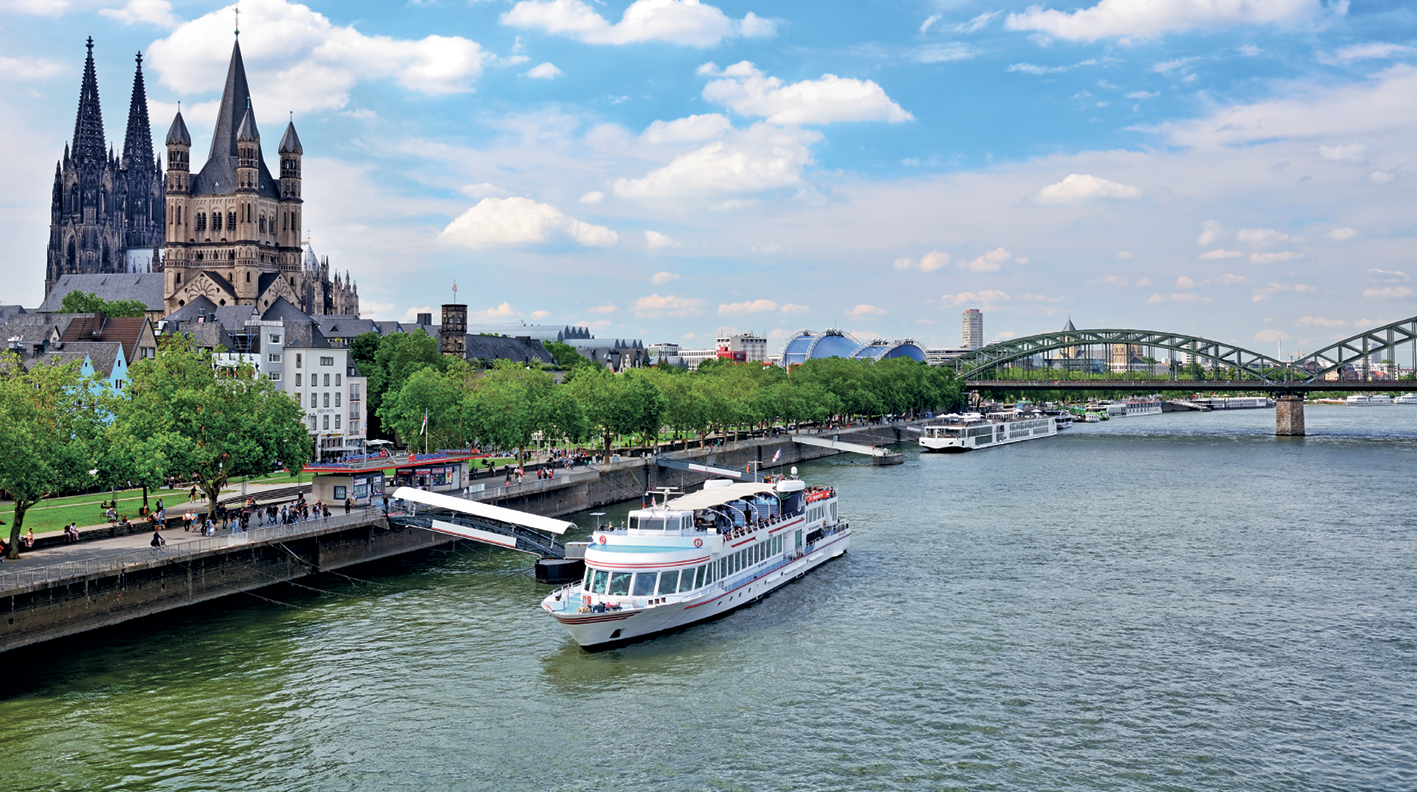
(363, 350)
(49, 430)
(566, 355)
(84, 302)
(441, 396)
(398, 357)
(184, 417)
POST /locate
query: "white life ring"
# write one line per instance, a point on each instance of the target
(601, 539)
(698, 543)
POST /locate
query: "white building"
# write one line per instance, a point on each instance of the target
(973, 329)
(753, 346)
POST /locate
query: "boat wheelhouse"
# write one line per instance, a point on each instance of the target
(957, 433)
(696, 557)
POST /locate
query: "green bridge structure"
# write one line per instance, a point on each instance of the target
(1345, 366)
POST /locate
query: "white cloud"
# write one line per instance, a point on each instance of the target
(976, 24)
(1211, 232)
(693, 129)
(1265, 292)
(992, 261)
(412, 314)
(152, 12)
(1388, 293)
(1181, 297)
(23, 69)
(1143, 95)
(1388, 276)
(655, 306)
(661, 278)
(1184, 282)
(494, 314)
(761, 157)
(1272, 336)
(1149, 18)
(1261, 237)
(1349, 152)
(602, 309)
(903, 263)
(986, 297)
(657, 241)
(297, 59)
(934, 260)
(1274, 258)
(1373, 50)
(1124, 254)
(747, 91)
(483, 190)
(932, 19)
(749, 307)
(51, 8)
(593, 197)
(864, 310)
(1380, 177)
(1083, 188)
(495, 222)
(538, 315)
(1341, 234)
(1319, 321)
(686, 22)
(1032, 68)
(546, 71)
(1165, 67)
(789, 308)
(1115, 280)
(1221, 253)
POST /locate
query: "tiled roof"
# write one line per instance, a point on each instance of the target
(146, 288)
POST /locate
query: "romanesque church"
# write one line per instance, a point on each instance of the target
(229, 233)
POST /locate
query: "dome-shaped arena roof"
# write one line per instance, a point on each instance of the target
(880, 349)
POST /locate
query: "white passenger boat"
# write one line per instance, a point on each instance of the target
(1368, 400)
(1406, 398)
(970, 431)
(696, 557)
(1149, 405)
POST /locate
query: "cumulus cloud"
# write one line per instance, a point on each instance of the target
(1274, 257)
(657, 241)
(744, 88)
(789, 308)
(864, 310)
(538, 315)
(1265, 292)
(1261, 237)
(1341, 234)
(655, 306)
(1221, 253)
(661, 278)
(693, 129)
(496, 222)
(1272, 336)
(1388, 293)
(1184, 282)
(929, 262)
(593, 197)
(1211, 232)
(992, 261)
(761, 157)
(1349, 152)
(151, 12)
(686, 22)
(25, 69)
(1381, 177)
(546, 71)
(986, 297)
(749, 307)
(1319, 321)
(1083, 189)
(1149, 18)
(1388, 276)
(297, 59)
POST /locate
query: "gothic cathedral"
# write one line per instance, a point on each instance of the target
(229, 233)
(107, 212)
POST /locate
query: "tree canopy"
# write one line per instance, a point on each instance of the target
(84, 302)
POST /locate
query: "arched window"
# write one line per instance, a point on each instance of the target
(231, 218)
(72, 253)
(178, 280)
(201, 222)
(248, 277)
(216, 221)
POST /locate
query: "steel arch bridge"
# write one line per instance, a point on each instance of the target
(1355, 350)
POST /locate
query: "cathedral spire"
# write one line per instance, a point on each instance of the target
(235, 100)
(88, 126)
(138, 143)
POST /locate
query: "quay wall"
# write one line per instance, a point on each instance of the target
(42, 604)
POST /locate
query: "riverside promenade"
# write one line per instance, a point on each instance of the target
(67, 589)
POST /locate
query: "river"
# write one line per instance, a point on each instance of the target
(1180, 601)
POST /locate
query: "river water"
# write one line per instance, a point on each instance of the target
(1170, 602)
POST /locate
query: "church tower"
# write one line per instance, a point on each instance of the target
(179, 204)
(141, 185)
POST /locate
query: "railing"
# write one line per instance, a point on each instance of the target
(178, 550)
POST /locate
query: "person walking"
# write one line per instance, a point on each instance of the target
(347, 504)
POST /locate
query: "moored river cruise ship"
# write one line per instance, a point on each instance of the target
(970, 431)
(696, 557)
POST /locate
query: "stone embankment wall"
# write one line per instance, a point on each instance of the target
(76, 601)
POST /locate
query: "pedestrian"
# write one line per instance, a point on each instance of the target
(29, 538)
(347, 504)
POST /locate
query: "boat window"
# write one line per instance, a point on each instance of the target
(686, 581)
(644, 583)
(601, 578)
(653, 523)
(668, 581)
(700, 580)
(585, 584)
(620, 584)
(723, 567)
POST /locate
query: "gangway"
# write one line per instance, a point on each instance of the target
(493, 525)
(879, 456)
(743, 474)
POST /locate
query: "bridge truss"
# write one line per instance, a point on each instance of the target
(1356, 350)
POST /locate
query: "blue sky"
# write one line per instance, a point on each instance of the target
(663, 169)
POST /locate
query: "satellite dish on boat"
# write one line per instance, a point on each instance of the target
(794, 471)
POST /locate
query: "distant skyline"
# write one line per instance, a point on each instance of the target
(664, 169)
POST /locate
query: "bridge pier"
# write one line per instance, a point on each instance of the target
(1289, 415)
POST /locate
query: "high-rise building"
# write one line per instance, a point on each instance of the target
(973, 334)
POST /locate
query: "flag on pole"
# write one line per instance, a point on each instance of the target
(424, 428)
(777, 456)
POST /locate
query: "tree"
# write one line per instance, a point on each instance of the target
(398, 357)
(184, 418)
(49, 429)
(83, 302)
(566, 355)
(363, 350)
(438, 395)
